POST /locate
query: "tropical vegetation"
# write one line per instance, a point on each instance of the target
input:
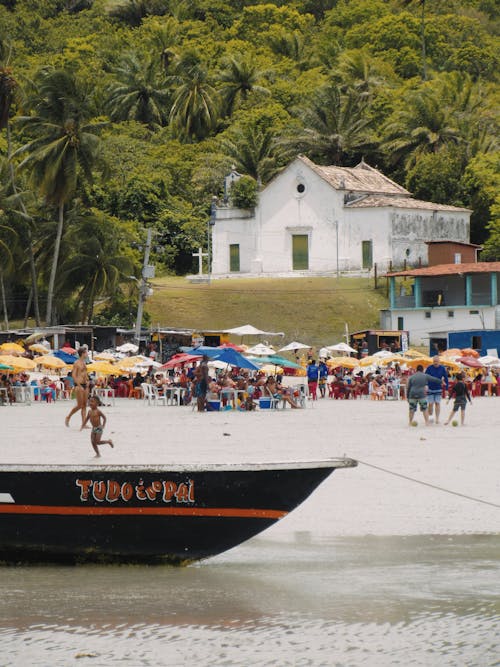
(119, 115)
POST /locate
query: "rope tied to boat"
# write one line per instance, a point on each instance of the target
(432, 486)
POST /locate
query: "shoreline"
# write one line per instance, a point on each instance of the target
(351, 502)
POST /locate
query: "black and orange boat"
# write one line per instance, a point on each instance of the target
(153, 514)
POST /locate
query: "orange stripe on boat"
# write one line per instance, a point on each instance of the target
(145, 511)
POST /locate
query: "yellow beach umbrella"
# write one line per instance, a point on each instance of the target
(271, 369)
(49, 361)
(103, 367)
(369, 361)
(393, 358)
(38, 347)
(344, 362)
(425, 361)
(18, 363)
(414, 354)
(12, 348)
(130, 362)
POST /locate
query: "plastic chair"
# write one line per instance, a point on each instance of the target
(147, 393)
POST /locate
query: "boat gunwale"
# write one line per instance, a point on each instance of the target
(343, 462)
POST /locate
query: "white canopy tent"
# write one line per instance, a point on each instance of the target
(249, 330)
(294, 345)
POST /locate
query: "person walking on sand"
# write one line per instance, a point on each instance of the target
(417, 394)
(81, 382)
(438, 378)
(97, 420)
(462, 395)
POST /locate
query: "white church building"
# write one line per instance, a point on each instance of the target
(314, 220)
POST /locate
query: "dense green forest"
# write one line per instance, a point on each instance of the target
(120, 115)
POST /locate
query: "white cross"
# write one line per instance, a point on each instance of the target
(200, 254)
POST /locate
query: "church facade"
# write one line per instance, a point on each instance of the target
(314, 220)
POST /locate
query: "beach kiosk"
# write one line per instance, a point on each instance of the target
(374, 340)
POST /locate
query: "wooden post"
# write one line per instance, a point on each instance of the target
(375, 275)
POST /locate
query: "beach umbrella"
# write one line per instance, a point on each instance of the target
(233, 358)
(180, 360)
(489, 361)
(105, 356)
(369, 361)
(41, 349)
(472, 362)
(415, 361)
(269, 369)
(6, 367)
(261, 350)
(238, 348)
(341, 347)
(148, 363)
(469, 352)
(294, 345)
(452, 352)
(277, 360)
(68, 349)
(49, 361)
(384, 361)
(342, 362)
(12, 348)
(414, 353)
(128, 347)
(19, 363)
(103, 367)
(67, 358)
(130, 362)
(32, 338)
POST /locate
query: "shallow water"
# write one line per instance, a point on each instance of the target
(304, 601)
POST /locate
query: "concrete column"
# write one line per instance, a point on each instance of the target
(494, 288)
(417, 290)
(468, 290)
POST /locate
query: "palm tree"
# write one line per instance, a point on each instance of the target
(336, 126)
(422, 33)
(426, 122)
(140, 93)
(194, 110)
(97, 263)
(239, 78)
(256, 150)
(64, 149)
(8, 95)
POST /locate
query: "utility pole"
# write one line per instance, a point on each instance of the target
(147, 272)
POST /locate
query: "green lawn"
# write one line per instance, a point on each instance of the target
(312, 310)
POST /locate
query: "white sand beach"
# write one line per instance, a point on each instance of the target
(352, 502)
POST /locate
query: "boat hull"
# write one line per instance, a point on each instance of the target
(145, 514)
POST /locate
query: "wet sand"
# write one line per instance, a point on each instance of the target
(352, 502)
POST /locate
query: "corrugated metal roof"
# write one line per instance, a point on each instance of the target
(374, 201)
(450, 269)
(362, 178)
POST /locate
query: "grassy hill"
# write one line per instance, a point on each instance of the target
(312, 310)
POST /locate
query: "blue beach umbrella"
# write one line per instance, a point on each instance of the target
(225, 354)
(64, 356)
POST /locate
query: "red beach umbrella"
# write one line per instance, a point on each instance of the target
(179, 360)
(470, 361)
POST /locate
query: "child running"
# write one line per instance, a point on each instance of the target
(461, 397)
(98, 422)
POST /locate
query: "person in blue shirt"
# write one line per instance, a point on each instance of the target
(438, 377)
(312, 378)
(323, 377)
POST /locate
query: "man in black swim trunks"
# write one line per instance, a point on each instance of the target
(81, 380)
